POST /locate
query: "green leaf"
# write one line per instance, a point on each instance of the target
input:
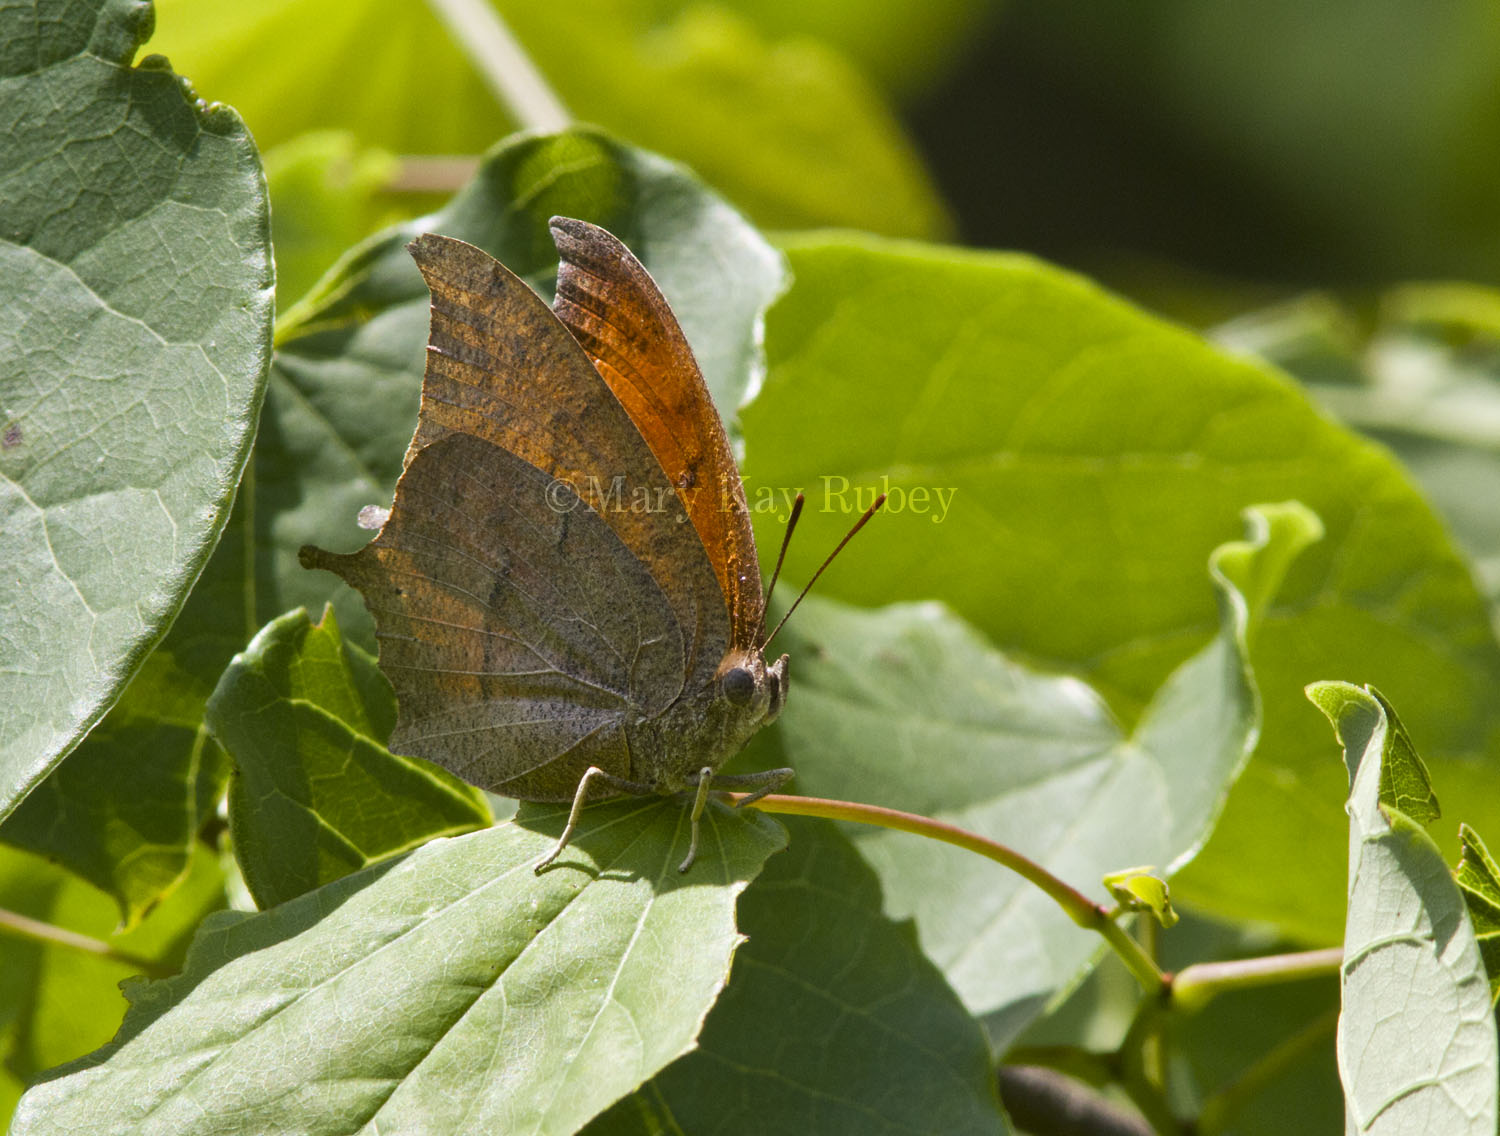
(305, 717)
(1417, 1047)
(454, 991)
(1139, 890)
(908, 706)
(1423, 379)
(57, 1002)
(124, 810)
(906, 47)
(136, 280)
(1478, 878)
(1077, 456)
(327, 193)
(833, 1023)
(788, 130)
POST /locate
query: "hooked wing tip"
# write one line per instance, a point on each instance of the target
(573, 236)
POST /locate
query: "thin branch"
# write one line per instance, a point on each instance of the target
(1046, 1103)
(432, 173)
(24, 927)
(516, 83)
(1193, 987)
(1078, 907)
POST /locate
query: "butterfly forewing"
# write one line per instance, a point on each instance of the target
(614, 309)
(502, 367)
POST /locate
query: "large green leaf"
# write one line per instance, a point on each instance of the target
(305, 717)
(1417, 1047)
(1422, 377)
(788, 130)
(135, 278)
(1089, 454)
(908, 707)
(834, 1022)
(907, 47)
(455, 992)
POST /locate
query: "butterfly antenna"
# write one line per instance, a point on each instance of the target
(848, 536)
(791, 523)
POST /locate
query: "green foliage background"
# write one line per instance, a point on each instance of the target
(1096, 653)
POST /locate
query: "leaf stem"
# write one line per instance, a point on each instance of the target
(1078, 907)
(1193, 987)
(1142, 1061)
(478, 30)
(24, 927)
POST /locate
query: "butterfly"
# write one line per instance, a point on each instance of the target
(565, 590)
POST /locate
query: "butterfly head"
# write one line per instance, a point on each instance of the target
(752, 686)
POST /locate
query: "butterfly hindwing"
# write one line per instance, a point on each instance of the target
(519, 632)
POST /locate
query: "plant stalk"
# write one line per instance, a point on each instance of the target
(520, 88)
(1078, 907)
(24, 927)
(1193, 987)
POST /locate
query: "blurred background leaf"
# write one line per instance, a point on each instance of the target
(57, 1002)
(788, 130)
(1418, 369)
(1096, 453)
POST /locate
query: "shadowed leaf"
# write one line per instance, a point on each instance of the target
(305, 717)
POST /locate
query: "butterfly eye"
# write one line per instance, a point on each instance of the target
(739, 686)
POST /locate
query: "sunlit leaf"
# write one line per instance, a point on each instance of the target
(1063, 461)
(908, 707)
(1417, 1047)
(135, 279)
(455, 991)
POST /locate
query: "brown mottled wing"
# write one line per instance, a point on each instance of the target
(616, 311)
(502, 367)
(519, 631)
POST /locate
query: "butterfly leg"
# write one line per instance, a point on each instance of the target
(766, 782)
(591, 775)
(705, 781)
